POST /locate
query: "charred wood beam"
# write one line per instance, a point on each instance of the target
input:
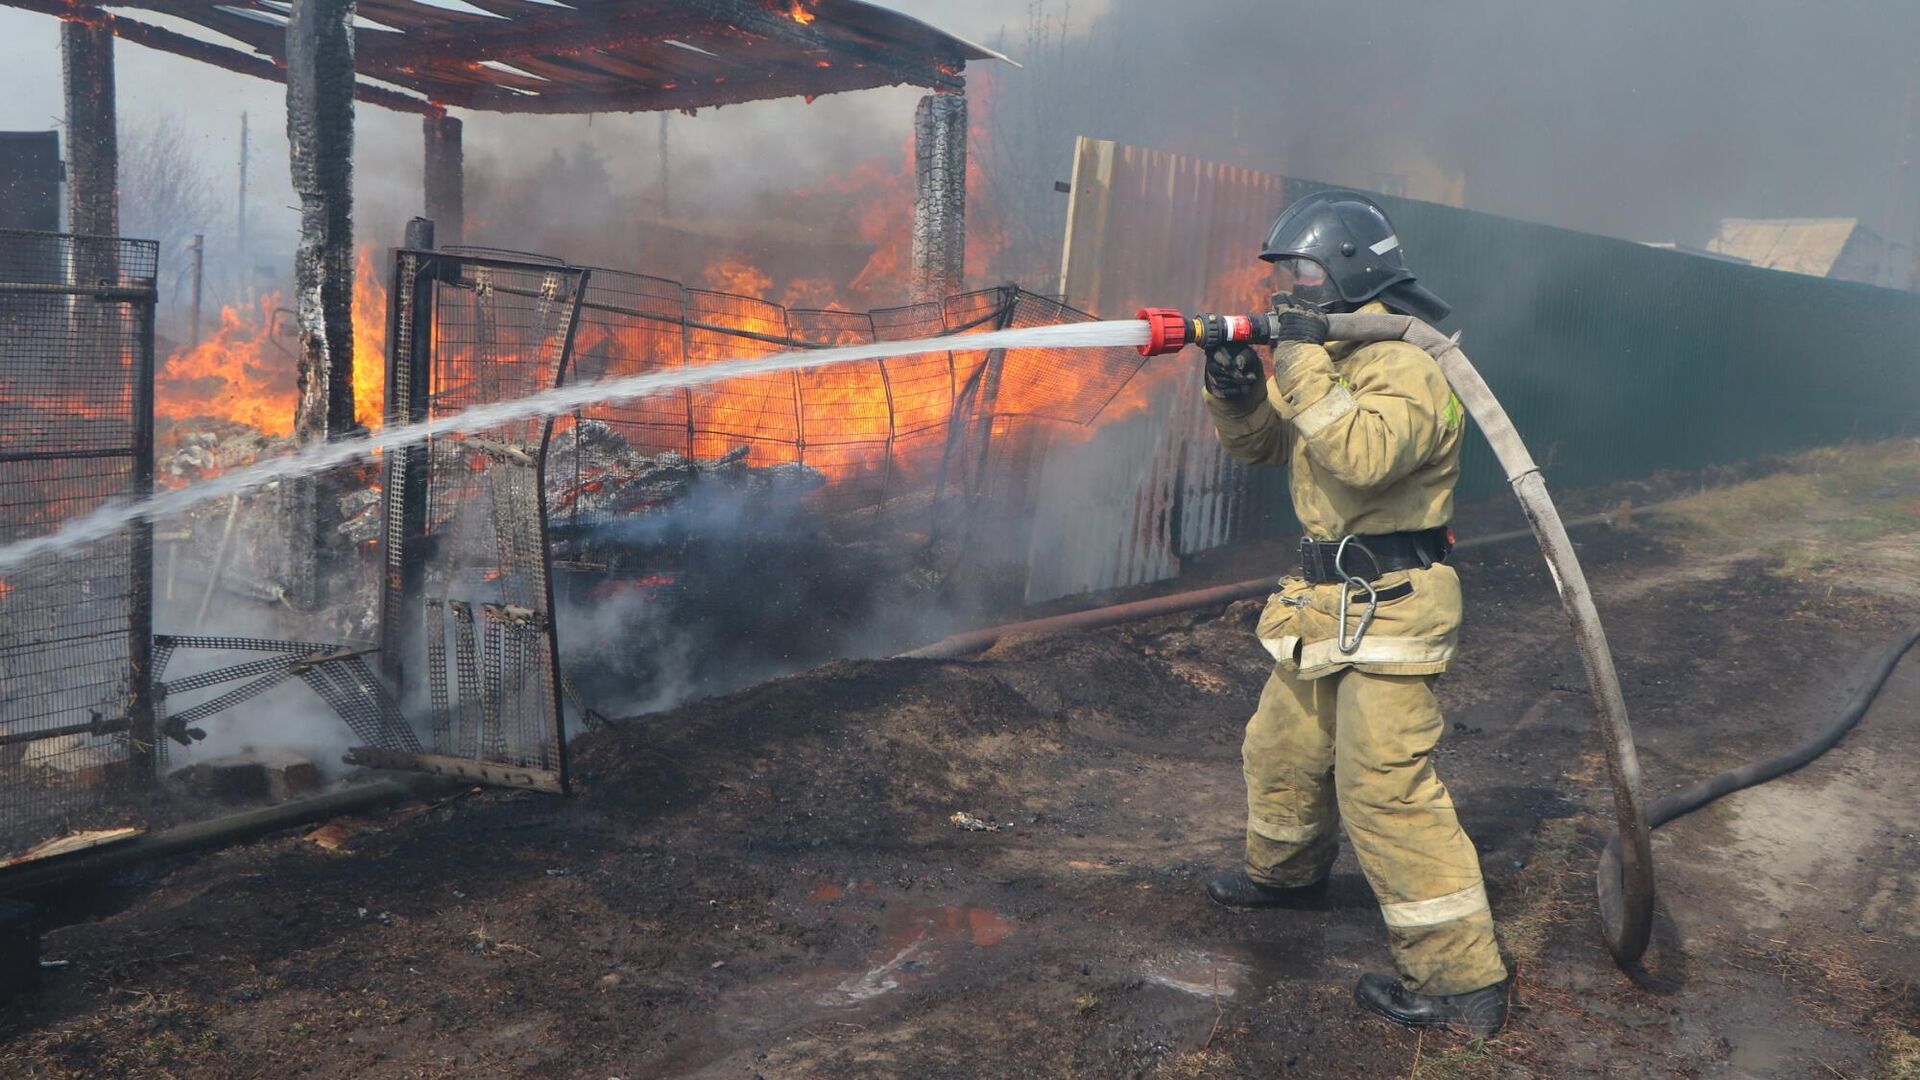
(754, 18)
(93, 155)
(685, 96)
(445, 177)
(441, 58)
(320, 141)
(161, 39)
(939, 266)
(554, 34)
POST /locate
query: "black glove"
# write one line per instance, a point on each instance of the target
(1298, 321)
(1233, 370)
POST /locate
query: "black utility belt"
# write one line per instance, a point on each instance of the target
(1373, 556)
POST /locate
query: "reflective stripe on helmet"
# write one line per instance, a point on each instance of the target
(1385, 246)
(1471, 900)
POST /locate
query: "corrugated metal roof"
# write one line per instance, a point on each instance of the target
(544, 56)
(1799, 245)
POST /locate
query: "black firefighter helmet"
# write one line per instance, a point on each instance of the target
(1337, 251)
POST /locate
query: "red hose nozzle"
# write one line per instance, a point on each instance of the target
(1170, 331)
(1166, 331)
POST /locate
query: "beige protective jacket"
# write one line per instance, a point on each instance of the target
(1371, 434)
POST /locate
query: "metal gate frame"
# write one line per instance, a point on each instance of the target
(469, 730)
(92, 299)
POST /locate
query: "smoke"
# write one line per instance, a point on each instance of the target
(1639, 119)
(731, 586)
(198, 594)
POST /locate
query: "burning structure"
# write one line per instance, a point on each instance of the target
(294, 548)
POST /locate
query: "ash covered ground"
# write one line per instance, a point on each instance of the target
(772, 883)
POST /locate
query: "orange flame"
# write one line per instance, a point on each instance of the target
(797, 11)
(246, 370)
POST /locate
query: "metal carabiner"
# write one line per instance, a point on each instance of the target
(1348, 648)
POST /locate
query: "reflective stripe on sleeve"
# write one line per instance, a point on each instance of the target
(1471, 900)
(1337, 403)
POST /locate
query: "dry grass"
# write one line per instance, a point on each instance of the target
(1455, 1060)
(1835, 495)
(1898, 1052)
(1540, 891)
(1195, 1064)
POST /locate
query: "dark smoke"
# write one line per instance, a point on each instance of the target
(1642, 119)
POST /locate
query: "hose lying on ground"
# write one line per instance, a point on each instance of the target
(1666, 808)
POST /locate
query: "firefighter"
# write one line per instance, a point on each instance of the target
(1346, 724)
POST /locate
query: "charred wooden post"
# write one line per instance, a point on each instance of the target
(320, 137)
(320, 83)
(940, 197)
(93, 156)
(445, 177)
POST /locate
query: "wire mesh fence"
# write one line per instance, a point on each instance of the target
(468, 612)
(634, 497)
(76, 383)
(872, 430)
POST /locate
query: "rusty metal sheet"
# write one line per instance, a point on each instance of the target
(1151, 228)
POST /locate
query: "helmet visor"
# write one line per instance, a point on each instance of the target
(1304, 279)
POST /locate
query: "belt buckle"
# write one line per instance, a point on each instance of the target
(1315, 561)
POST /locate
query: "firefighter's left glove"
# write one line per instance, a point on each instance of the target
(1298, 321)
(1234, 373)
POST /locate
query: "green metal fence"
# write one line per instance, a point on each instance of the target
(1619, 360)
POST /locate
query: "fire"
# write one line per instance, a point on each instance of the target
(369, 341)
(797, 11)
(246, 370)
(646, 587)
(733, 276)
(237, 373)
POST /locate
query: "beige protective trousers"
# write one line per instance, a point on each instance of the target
(1360, 743)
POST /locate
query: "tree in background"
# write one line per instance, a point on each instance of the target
(168, 194)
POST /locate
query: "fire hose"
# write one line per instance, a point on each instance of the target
(1624, 879)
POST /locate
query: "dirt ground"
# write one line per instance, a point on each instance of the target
(770, 884)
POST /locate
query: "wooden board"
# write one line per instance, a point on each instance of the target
(67, 845)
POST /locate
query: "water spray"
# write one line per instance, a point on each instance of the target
(1625, 878)
(324, 456)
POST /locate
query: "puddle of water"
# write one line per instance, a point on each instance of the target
(964, 924)
(919, 941)
(855, 989)
(921, 946)
(1197, 972)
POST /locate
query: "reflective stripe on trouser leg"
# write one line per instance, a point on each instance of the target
(1287, 758)
(1398, 814)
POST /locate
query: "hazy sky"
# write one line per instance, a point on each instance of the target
(1647, 119)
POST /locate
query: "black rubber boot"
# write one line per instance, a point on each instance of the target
(1237, 890)
(1479, 1013)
